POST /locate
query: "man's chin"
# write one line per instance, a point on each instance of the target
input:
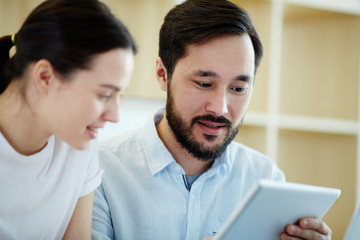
(206, 154)
(210, 138)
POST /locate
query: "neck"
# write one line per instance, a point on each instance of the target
(191, 165)
(18, 123)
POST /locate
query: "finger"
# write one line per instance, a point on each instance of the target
(300, 233)
(315, 224)
(285, 236)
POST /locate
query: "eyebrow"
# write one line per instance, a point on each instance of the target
(201, 73)
(110, 86)
(244, 78)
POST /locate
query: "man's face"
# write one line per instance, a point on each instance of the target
(209, 93)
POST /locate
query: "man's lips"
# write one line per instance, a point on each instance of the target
(211, 128)
(211, 124)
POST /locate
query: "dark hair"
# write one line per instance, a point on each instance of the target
(68, 33)
(196, 21)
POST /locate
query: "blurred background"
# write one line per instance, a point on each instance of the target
(305, 108)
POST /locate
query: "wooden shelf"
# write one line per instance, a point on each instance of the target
(344, 6)
(303, 123)
(320, 65)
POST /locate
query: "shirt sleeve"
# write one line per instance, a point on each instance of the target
(102, 228)
(94, 173)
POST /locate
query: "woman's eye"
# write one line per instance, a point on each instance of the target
(104, 97)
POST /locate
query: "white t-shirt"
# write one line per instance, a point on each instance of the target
(38, 193)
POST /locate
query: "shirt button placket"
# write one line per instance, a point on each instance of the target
(194, 215)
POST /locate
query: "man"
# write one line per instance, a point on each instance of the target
(181, 176)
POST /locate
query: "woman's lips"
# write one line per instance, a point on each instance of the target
(92, 131)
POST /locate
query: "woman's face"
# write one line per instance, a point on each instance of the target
(79, 106)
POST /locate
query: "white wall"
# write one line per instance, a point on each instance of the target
(134, 112)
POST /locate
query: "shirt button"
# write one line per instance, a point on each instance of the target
(177, 168)
(192, 196)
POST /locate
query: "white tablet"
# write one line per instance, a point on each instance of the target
(269, 206)
(353, 230)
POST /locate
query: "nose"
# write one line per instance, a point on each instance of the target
(111, 113)
(218, 103)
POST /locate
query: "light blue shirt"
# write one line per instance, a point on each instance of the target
(143, 194)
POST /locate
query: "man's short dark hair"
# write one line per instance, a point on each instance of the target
(196, 21)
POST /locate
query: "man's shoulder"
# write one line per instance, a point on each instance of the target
(235, 149)
(241, 155)
(253, 162)
(117, 141)
(120, 146)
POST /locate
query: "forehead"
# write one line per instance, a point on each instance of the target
(226, 55)
(111, 70)
(113, 66)
(117, 60)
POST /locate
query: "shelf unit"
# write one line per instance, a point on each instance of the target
(307, 95)
(305, 108)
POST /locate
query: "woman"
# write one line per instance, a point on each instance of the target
(72, 61)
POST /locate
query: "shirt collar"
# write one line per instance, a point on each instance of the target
(221, 164)
(157, 155)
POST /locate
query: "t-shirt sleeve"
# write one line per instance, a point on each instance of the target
(94, 173)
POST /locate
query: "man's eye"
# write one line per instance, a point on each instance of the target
(240, 90)
(203, 84)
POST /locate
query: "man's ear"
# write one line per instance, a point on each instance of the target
(43, 75)
(161, 74)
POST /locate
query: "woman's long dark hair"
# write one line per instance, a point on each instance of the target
(67, 33)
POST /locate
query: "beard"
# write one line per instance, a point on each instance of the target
(184, 133)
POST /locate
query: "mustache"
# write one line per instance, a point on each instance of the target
(212, 118)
